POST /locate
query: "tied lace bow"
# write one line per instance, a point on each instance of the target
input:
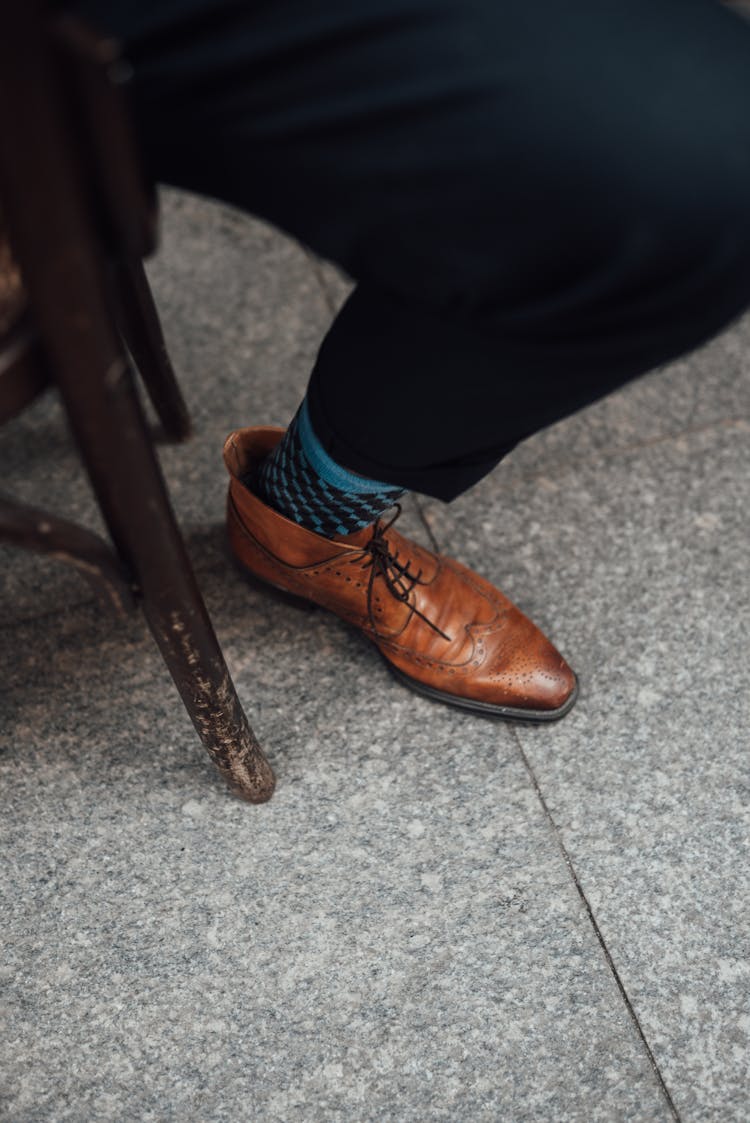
(398, 578)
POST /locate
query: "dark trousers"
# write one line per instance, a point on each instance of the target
(538, 200)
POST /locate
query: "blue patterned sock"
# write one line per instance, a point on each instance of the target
(301, 481)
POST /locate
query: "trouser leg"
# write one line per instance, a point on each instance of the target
(538, 202)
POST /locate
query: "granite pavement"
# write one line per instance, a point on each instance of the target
(437, 917)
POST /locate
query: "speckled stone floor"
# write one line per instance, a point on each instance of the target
(437, 917)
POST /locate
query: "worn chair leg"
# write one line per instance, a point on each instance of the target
(191, 652)
(139, 323)
(124, 470)
(64, 270)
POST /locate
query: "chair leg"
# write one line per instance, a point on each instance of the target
(113, 438)
(65, 274)
(139, 322)
(190, 650)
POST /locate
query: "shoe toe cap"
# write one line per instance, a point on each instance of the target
(531, 684)
(524, 670)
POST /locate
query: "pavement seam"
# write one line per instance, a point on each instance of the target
(597, 932)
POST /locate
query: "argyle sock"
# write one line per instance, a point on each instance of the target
(301, 481)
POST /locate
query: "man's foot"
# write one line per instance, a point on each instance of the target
(443, 630)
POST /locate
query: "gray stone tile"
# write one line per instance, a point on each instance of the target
(394, 937)
(637, 567)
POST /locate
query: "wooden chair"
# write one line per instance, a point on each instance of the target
(75, 308)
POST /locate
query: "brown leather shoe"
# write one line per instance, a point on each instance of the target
(443, 630)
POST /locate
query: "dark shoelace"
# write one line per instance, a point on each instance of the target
(398, 578)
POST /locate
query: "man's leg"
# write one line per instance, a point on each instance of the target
(537, 206)
(539, 202)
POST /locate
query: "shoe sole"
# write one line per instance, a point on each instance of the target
(487, 709)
